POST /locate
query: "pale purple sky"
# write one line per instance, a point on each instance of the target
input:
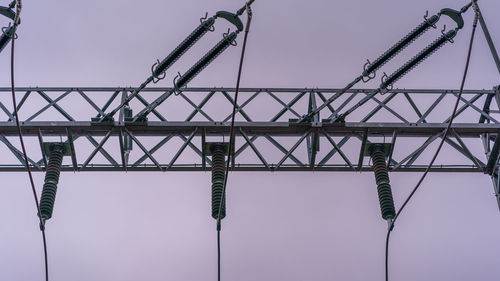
(280, 226)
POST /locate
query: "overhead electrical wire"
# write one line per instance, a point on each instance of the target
(445, 133)
(231, 132)
(14, 103)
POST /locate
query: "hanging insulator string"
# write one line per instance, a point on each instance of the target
(398, 213)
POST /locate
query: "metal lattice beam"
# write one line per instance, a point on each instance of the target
(266, 138)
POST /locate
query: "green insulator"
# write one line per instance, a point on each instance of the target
(51, 180)
(218, 176)
(382, 180)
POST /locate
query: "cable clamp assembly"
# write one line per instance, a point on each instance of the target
(448, 36)
(156, 78)
(477, 13)
(249, 15)
(371, 75)
(175, 88)
(8, 31)
(432, 23)
(232, 41)
(388, 87)
(209, 26)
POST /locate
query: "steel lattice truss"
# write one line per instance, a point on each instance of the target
(267, 136)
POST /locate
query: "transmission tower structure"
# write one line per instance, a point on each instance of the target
(276, 129)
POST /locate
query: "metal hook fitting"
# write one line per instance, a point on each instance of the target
(225, 36)
(443, 30)
(7, 31)
(388, 87)
(203, 21)
(366, 78)
(156, 78)
(426, 18)
(176, 90)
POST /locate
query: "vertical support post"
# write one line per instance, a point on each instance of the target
(496, 185)
(40, 140)
(497, 96)
(486, 32)
(492, 153)
(361, 151)
(72, 149)
(203, 155)
(313, 139)
(121, 115)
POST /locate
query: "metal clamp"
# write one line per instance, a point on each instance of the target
(368, 77)
(156, 78)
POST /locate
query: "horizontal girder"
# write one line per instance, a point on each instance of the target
(267, 136)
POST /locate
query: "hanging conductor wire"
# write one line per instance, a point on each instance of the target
(443, 138)
(18, 6)
(231, 132)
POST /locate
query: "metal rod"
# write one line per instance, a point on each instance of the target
(491, 45)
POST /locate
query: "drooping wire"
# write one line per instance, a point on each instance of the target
(231, 132)
(445, 133)
(26, 163)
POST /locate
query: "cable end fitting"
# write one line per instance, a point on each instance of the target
(219, 225)
(390, 224)
(476, 12)
(242, 9)
(42, 224)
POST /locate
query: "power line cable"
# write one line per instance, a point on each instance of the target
(231, 132)
(14, 103)
(391, 226)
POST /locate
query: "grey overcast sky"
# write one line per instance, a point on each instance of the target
(280, 226)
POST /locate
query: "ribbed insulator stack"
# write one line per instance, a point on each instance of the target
(383, 184)
(218, 176)
(51, 180)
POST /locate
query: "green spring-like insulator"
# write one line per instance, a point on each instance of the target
(383, 184)
(218, 176)
(51, 180)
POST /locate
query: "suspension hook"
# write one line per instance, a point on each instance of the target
(159, 77)
(444, 29)
(8, 31)
(176, 90)
(232, 42)
(203, 21)
(388, 88)
(370, 75)
(447, 35)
